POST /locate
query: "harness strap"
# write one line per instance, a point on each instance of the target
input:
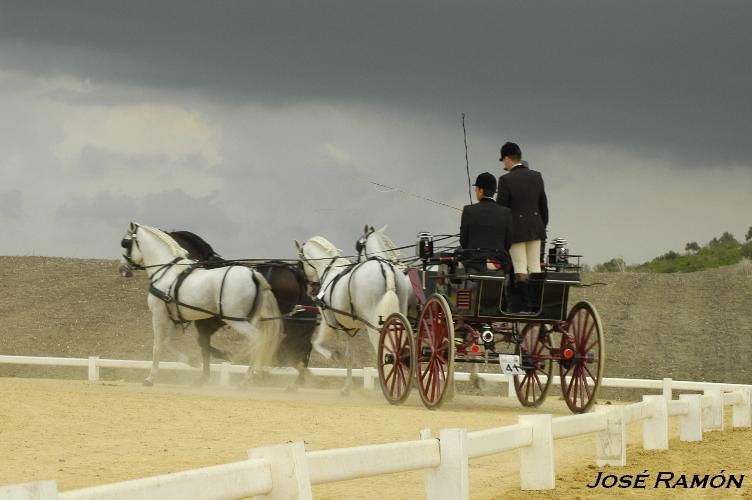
(221, 289)
(168, 299)
(176, 290)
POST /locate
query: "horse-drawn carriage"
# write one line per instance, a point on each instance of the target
(465, 316)
(460, 315)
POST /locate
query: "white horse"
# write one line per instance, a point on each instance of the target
(239, 295)
(375, 243)
(352, 297)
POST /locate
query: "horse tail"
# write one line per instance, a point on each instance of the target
(389, 302)
(268, 323)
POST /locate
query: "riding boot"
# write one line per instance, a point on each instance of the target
(515, 298)
(531, 297)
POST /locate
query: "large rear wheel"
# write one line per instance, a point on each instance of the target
(435, 352)
(535, 358)
(581, 375)
(395, 355)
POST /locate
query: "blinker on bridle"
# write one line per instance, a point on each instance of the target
(127, 244)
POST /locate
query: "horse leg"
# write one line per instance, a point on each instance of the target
(255, 349)
(321, 336)
(478, 382)
(162, 326)
(205, 329)
(345, 391)
(204, 341)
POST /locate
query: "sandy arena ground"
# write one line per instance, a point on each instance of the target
(84, 434)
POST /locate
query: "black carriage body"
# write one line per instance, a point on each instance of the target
(483, 296)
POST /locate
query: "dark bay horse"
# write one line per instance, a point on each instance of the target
(288, 284)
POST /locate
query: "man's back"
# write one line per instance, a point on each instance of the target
(486, 226)
(522, 191)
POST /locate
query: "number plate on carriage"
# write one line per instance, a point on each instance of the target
(510, 364)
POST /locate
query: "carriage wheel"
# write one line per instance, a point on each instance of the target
(582, 374)
(535, 357)
(395, 355)
(435, 352)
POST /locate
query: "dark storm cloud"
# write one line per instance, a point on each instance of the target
(669, 78)
(106, 215)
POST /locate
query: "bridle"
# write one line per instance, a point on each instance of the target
(360, 245)
(315, 285)
(127, 244)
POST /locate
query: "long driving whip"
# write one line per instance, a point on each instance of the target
(467, 161)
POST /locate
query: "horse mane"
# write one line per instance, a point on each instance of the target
(385, 242)
(326, 245)
(176, 249)
(200, 245)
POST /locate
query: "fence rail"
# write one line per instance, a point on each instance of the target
(288, 471)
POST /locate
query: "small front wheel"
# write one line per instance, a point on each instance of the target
(535, 358)
(395, 355)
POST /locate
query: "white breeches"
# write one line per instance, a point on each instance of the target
(526, 257)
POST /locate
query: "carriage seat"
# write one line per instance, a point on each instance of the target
(481, 262)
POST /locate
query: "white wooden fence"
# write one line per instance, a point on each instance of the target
(288, 471)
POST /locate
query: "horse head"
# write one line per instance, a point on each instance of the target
(317, 254)
(142, 243)
(131, 257)
(375, 243)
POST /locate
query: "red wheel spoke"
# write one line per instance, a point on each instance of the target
(595, 342)
(589, 372)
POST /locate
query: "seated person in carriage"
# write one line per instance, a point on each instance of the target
(486, 229)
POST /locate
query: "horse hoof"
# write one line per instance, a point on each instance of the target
(345, 392)
(291, 388)
(200, 381)
(147, 383)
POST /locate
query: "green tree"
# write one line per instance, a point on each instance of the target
(746, 249)
(692, 247)
(749, 234)
(727, 239)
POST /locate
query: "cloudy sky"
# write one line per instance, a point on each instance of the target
(255, 123)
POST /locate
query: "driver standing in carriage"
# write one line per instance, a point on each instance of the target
(486, 228)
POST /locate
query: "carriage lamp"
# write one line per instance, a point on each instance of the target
(558, 255)
(424, 245)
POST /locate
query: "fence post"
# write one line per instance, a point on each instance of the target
(742, 416)
(450, 480)
(93, 369)
(537, 460)
(712, 416)
(369, 373)
(690, 425)
(655, 429)
(290, 479)
(224, 374)
(667, 392)
(611, 443)
(39, 490)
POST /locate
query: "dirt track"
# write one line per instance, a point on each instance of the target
(86, 434)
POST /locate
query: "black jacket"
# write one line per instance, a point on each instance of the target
(486, 227)
(521, 190)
